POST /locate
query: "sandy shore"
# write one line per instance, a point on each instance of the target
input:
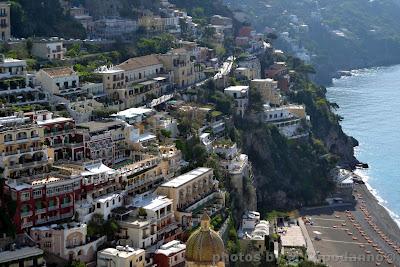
(370, 224)
(379, 213)
(382, 229)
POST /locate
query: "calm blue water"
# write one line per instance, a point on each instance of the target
(370, 105)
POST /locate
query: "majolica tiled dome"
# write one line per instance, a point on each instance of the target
(204, 245)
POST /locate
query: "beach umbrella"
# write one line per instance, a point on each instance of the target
(317, 232)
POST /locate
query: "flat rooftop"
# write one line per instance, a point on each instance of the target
(293, 237)
(237, 88)
(18, 254)
(171, 248)
(123, 252)
(54, 120)
(133, 112)
(108, 197)
(187, 177)
(97, 168)
(95, 126)
(153, 203)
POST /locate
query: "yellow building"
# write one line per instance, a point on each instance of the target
(205, 247)
(178, 61)
(22, 149)
(268, 88)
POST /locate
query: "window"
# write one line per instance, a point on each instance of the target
(37, 193)
(98, 205)
(130, 264)
(25, 196)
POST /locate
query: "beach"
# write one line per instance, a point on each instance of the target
(359, 234)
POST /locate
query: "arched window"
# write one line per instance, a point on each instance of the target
(8, 137)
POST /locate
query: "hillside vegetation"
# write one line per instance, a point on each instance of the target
(44, 18)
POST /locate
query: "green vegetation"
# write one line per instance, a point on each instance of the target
(7, 211)
(43, 18)
(157, 45)
(76, 264)
(98, 227)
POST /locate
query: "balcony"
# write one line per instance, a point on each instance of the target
(53, 218)
(41, 221)
(55, 207)
(40, 211)
(37, 196)
(23, 151)
(66, 205)
(67, 215)
(55, 133)
(74, 145)
(28, 165)
(26, 214)
(27, 224)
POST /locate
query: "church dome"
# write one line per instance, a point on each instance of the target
(205, 245)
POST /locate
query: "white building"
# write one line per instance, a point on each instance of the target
(287, 118)
(241, 96)
(110, 28)
(51, 49)
(139, 69)
(10, 67)
(121, 257)
(105, 204)
(59, 81)
(172, 252)
(138, 233)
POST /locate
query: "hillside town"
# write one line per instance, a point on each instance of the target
(135, 163)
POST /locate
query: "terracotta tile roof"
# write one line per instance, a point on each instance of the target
(59, 72)
(139, 62)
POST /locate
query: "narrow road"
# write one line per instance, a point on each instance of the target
(312, 255)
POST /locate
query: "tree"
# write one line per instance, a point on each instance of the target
(76, 263)
(166, 133)
(29, 45)
(256, 103)
(142, 212)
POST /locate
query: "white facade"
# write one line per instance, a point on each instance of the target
(287, 118)
(52, 49)
(105, 204)
(10, 67)
(121, 257)
(62, 80)
(241, 96)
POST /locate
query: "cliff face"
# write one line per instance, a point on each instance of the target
(324, 122)
(287, 174)
(342, 145)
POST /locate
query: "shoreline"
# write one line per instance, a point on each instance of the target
(379, 225)
(377, 198)
(379, 212)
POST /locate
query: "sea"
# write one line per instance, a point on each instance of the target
(369, 102)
